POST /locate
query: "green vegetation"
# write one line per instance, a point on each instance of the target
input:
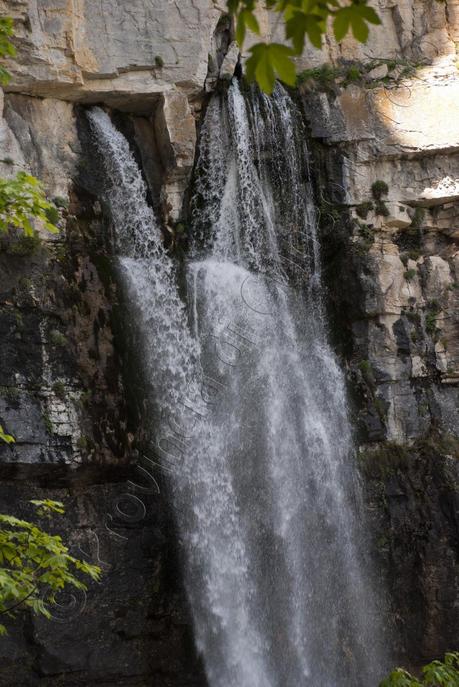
(159, 62)
(364, 209)
(23, 199)
(59, 389)
(379, 189)
(57, 338)
(35, 565)
(328, 77)
(366, 238)
(82, 443)
(7, 438)
(433, 310)
(413, 317)
(367, 372)
(418, 218)
(324, 77)
(410, 274)
(381, 208)
(303, 21)
(7, 49)
(383, 461)
(444, 443)
(61, 202)
(47, 422)
(436, 674)
(23, 245)
(431, 323)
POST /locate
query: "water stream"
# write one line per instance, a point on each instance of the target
(251, 421)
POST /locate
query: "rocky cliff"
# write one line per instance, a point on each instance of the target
(385, 138)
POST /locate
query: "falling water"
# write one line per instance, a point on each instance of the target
(251, 404)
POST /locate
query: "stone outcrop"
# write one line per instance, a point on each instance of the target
(390, 257)
(123, 54)
(145, 58)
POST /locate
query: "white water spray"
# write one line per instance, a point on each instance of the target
(254, 432)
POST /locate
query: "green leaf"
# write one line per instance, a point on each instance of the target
(359, 28)
(281, 61)
(35, 564)
(341, 23)
(299, 25)
(233, 6)
(355, 16)
(259, 67)
(252, 22)
(266, 61)
(246, 20)
(369, 14)
(240, 29)
(47, 505)
(7, 438)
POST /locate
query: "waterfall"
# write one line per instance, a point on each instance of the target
(251, 417)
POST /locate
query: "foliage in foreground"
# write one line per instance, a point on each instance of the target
(7, 438)
(303, 20)
(23, 199)
(436, 674)
(35, 566)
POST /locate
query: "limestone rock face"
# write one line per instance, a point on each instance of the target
(145, 57)
(45, 134)
(176, 134)
(111, 51)
(403, 247)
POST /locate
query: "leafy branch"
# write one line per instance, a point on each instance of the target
(436, 674)
(23, 199)
(35, 566)
(303, 20)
